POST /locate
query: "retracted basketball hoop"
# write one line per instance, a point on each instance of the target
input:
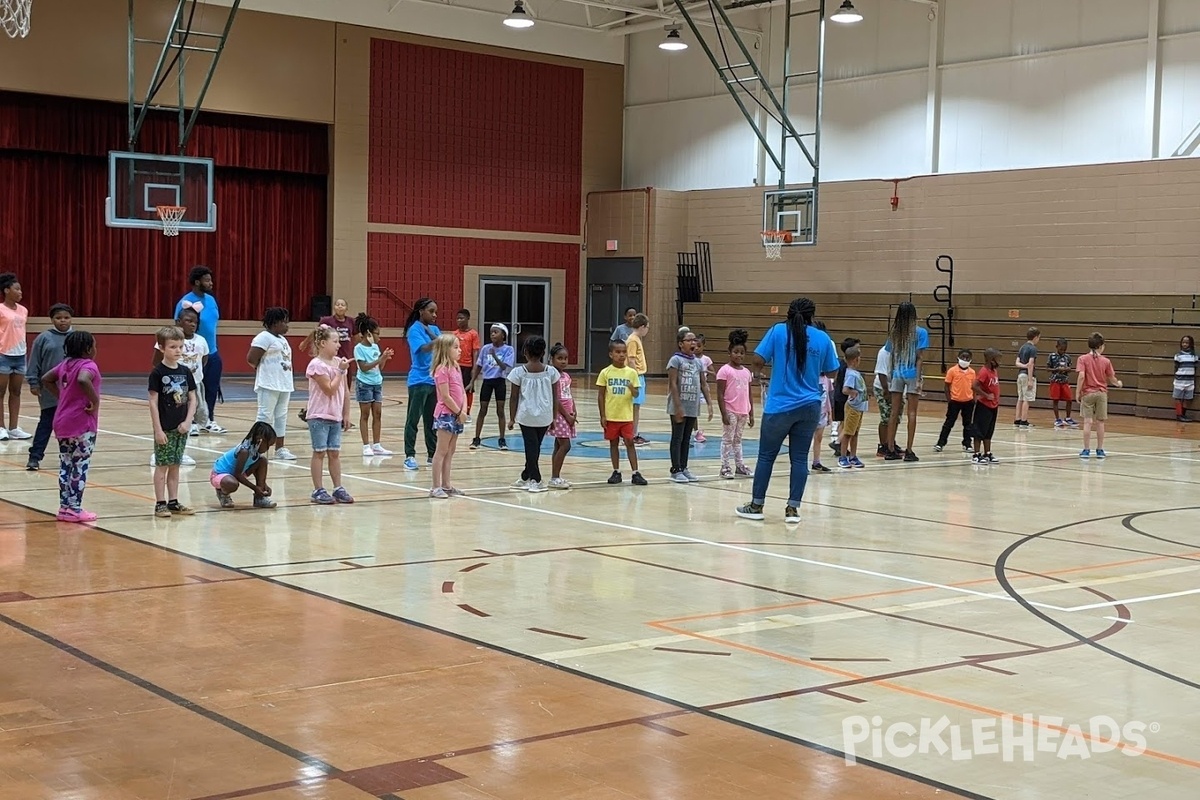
(773, 242)
(171, 216)
(14, 17)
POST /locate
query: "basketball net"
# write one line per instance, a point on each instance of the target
(14, 17)
(773, 244)
(171, 216)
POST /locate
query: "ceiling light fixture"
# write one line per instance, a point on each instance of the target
(518, 18)
(846, 14)
(673, 41)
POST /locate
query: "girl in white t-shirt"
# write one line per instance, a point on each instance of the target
(271, 356)
(533, 404)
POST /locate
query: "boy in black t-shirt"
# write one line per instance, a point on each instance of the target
(172, 404)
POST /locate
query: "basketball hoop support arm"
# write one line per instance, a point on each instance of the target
(747, 80)
(175, 45)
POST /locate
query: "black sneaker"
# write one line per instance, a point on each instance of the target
(750, 511)
(881, 452)
(836, 447)
(503, 444)
(910, 456)
(977, 458)
(638, 480)
(475, 443)
(615, 478)
(989, 458)
(819, 467)
(892, 455)
(33, 465)
(937, 448)
(791, 515)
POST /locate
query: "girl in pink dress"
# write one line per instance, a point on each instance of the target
(563, 426)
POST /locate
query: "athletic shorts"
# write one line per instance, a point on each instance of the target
(884, 400)
(984, 422)
(1026, 388)
(905, 386)
(494, 386)
(1094, 406)
(641, 395)
(171, 453)
(1183, 393)
(614, 431)
(215, 479)
(1060, 391)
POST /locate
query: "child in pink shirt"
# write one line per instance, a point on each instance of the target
(449, 412)
(76, 384)
(737, 407)
(563, 426)
(327, 414)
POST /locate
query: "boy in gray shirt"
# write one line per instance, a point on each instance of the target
(46, 354)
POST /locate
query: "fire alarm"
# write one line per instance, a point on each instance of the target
(612, 246)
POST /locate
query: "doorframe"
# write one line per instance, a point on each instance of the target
(558, 298)
(514, 282)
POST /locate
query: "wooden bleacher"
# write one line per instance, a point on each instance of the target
(1142, 333)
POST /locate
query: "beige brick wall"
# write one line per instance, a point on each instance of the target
(668, 237)
(1098, 229)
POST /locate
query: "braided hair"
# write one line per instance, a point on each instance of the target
(903, 336)
(78, 344)
(799, 316)
(275, 315)
(417, 308)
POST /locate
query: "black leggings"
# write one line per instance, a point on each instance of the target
(681, 443)
(533, 449)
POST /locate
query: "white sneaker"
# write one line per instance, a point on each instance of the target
(283, 454)
(187, 461)
(520, 485)
(379, 450)
(194, 430)
(3, 434)
(367, 451)
(687, 473)
(17, 433)
(153, 462)
(536, 487)
(214, 428)
(559, 483)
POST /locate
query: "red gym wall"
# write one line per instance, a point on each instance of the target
(464, 140)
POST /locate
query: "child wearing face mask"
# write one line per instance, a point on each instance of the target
(960, 400)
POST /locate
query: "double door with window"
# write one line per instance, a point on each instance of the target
(523, 306)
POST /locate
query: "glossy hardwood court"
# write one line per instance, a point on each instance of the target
(609, 642)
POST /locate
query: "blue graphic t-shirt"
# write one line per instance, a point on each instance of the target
(791, 388)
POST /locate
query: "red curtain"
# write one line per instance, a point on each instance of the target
(270, 191)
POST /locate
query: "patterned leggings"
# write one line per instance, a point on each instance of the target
(75, 456)
(731, 442)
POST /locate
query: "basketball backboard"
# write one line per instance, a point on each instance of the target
(138, 183)
(791, 210)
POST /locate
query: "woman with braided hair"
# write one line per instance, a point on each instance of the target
(799, 355)
(907, 343)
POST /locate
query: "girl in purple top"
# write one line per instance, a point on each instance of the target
(76, 384)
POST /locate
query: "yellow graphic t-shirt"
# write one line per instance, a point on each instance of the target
(618, 400)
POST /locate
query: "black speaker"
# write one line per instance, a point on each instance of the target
(322, 306)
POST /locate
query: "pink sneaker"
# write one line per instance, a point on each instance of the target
(71, 515)
(700, 438)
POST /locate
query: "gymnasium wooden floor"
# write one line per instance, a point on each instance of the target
(607, 642)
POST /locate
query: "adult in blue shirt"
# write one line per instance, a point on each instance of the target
(798, 354)
(422, 396)
(907, 343)
(201, 299)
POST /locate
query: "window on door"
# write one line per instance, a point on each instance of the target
(523, 306)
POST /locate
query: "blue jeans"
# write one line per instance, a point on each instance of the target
(798, 426)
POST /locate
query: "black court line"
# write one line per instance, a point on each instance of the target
(175, 699)
(711, 714)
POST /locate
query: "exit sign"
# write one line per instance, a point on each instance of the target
(1014, 313)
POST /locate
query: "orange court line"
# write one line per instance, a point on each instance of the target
(960, 704)
(890, 592)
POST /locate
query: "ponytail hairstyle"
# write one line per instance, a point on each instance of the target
(556, 348)
(738, 337)
(799, 316)
(321, 335)
(365, 325)
(903, 336)
(443, 352)
(418, 307)
(78, 344)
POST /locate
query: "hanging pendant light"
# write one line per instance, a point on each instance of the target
(846, 14)
(518, 18)
(674, 41)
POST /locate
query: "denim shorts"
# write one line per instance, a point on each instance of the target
(368, 393)
(325, 434)
(448, 422)
(12, 365)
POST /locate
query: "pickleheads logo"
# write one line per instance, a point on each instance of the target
(1008, 737)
